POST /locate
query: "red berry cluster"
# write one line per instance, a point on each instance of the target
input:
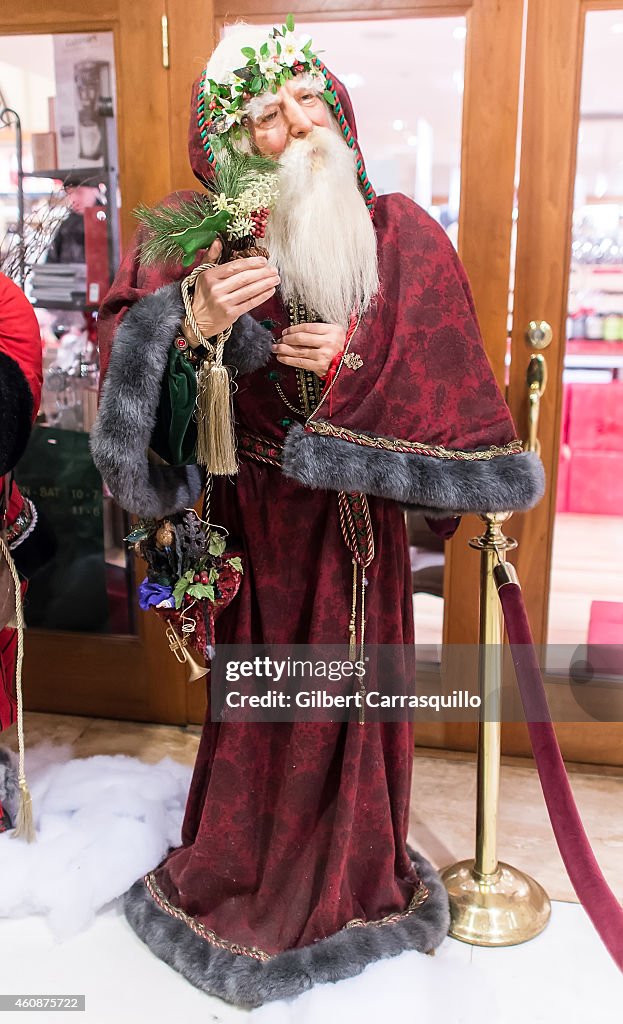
(201, 577)
(258, 220)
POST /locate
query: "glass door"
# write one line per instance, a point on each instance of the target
(569, 273)
(89, 650)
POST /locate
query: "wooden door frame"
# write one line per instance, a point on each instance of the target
(133, 677)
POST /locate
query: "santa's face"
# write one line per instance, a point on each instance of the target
(287, 115)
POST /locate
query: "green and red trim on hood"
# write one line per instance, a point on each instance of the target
(199, 137)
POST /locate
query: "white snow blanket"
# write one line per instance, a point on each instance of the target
(101, 822)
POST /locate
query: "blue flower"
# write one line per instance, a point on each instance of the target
(150, 594)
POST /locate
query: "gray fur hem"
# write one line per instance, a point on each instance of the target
(130, 396)
(433, 486)
(9, 787)
(248, 983)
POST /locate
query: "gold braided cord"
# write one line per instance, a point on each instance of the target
(417, 447)
(188, 285)
(199, 929)
(420, 895)
(24, 827)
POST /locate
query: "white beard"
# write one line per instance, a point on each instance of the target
(320, 234)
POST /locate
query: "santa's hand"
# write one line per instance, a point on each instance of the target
(224, 293)
(311, 346)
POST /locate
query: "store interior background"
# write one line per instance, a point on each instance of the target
(410, 132)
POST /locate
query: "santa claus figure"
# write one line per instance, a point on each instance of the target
(361, 388)
(20, 394)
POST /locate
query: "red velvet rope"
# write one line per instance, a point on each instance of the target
(591, 888)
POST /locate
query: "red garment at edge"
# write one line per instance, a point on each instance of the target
(20, 341)
(291, 829)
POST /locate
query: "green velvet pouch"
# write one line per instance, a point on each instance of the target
(174, 437)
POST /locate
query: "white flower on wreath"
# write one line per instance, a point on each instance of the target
(291, 52)
(268, 68)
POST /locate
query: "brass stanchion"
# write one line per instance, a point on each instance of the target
(492, 903)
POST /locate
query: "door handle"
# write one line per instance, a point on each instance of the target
(536, 379)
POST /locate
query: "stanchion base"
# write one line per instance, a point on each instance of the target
(502, 909)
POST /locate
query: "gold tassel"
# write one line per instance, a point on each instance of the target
(362, 685)
(24, 828)
(216, 440)
(352, 625)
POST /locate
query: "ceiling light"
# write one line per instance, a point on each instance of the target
(460, 32)
(398, 125)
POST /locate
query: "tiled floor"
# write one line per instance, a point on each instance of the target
(442, 803)
(564, 975)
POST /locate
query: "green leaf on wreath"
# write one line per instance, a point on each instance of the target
(290, 23)
(248, 51)
(179, 590)
(216, 545)
(201, 591)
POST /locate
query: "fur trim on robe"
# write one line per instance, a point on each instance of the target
(130, 397)
(438, 487)
(249, 982)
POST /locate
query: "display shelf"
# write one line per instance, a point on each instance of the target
(71, 175)
(67, 304)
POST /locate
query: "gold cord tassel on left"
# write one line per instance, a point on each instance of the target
(216, 440)
(25, 828)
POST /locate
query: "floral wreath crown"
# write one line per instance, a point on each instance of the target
(280, 58)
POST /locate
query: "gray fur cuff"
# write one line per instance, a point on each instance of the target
(247, 982)
(9, 788)
(127, 413)
(130, 396)
(434, 486)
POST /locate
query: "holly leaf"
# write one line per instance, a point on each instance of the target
(179, 590)
(200, 236)
(236, 563)
(329, 97)
(290, 23)
(213, 575)
(201, 591)
(216, 545)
